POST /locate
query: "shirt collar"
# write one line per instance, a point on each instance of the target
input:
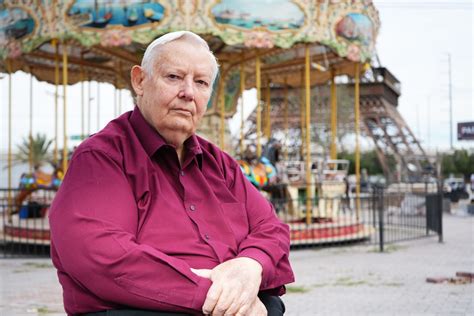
(151, 140)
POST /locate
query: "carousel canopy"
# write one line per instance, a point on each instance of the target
(104, 38)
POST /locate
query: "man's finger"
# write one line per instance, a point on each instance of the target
(255, 308)
(204, 273)
(211, 299)
(226, 299)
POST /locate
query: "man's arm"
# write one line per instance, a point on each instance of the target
(262, 261)
(94, 221)
(268, 241)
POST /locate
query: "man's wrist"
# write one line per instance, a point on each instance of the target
(265, 262)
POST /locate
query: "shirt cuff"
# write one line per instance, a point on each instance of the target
(268, 269)
(203, 286)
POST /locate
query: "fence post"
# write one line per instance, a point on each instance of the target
(440, 216)
(380, 211)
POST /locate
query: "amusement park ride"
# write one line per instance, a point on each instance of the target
(296, 45)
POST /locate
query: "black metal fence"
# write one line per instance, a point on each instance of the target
(381, 216)
(24, 222)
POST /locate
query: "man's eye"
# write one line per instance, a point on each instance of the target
(173, 76)
(203, 83)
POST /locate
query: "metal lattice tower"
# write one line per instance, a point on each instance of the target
(380, 121)
(389, 131)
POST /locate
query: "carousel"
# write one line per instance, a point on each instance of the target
(275, 46)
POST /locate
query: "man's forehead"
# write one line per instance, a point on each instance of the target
(176, 56)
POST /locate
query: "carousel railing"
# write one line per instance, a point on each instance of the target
(385, 216)
(24, 229)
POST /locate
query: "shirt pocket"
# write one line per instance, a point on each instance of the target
(237, 219)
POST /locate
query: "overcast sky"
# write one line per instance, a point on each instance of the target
(414, 40)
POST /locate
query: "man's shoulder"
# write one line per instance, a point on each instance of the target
(212, 151)
(112, 140)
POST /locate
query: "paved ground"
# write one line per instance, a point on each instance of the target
(361, 281)
(354, 280)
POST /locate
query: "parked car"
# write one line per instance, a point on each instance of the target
(455, 189)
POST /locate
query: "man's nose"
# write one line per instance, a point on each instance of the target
(187, 90)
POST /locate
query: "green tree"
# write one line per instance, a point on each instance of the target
(460, 162)
(39, 150)
(368, 160)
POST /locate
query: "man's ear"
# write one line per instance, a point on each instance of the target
(137, 76)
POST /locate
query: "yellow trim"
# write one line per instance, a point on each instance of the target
(268, 123)
(242, 89)
(259, 114)
(82, 104)
(56, 87)
(9, 158)
(333, 150)
(285, 107)
(302, 116)
(30, 135)
(222, 112)
(357, 132)
(309, 185)
(98, 108)
(89, 101)
(65, 81)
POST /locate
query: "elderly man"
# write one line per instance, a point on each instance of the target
(153, 220)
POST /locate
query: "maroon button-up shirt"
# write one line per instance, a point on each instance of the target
(129, 222)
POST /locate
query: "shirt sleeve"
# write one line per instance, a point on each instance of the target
(268, 240)
(94, 221)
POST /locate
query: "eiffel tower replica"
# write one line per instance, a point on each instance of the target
(380, 121)
(387, 128)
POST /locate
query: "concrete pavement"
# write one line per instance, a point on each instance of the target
(361, 281)
(350, 280)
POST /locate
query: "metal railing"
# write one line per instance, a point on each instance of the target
(24, 227)
(378, 217)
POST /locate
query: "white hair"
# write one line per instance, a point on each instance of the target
(151, 52)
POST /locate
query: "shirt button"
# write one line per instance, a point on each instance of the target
(192, 207)
(181, 173)
(206, 236)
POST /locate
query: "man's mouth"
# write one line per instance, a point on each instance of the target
(183, 112)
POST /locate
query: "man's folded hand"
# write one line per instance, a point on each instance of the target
(234, 289)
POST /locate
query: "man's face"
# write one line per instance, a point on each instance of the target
(174, 97)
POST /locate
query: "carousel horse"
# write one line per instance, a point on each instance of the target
(261, 173)
(37, 180)
(264, 174)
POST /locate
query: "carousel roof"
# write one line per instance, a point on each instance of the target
(104, 38)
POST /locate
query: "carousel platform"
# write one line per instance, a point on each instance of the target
(327, 231)
(33, 231)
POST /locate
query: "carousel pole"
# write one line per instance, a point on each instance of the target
(65, 81)
(309, 186)
(285, 107)
(357, 132)
(119, 90)
(120, 101)
(222, 112)
(88, 106)
(30, 135)
(9, 157)
(302, 115)
(115, 98)
(242, 89)
(56, 93)
(98, 106)
(259, 114)
(267, 112)
(333, 150)
(83, 132)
